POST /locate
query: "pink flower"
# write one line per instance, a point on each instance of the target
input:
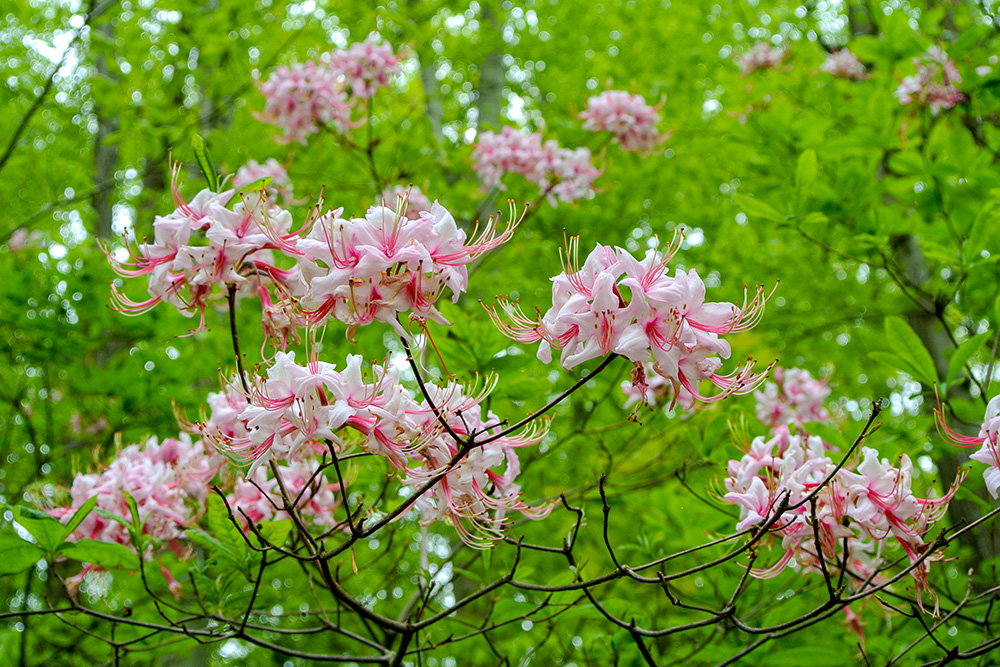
(377, 267)
(365, 66)
(168, 481)
(793, 398)
(203, 247)
(845, 65)
(562, 174)
(989, 435)
(927, 88)
(305, 98)
(627, 117)
(760, 56)
(858, 513)
(666, 322)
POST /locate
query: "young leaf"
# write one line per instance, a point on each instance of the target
(805, 175)
(758, 209)
(204, 159)
(47, 531)
(16, 555)
(82, 513)
(215, 551)
(110, 555)
(963, 354)
(276, 532)
(223, 529)
(257, 186)
(133, 510)
(910, 353)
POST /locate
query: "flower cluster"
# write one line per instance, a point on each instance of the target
(845, 65)
(365, 66)
(299, 412)
(933, 85)
(374, 268)
(859, 511)
(279, 186)
(666, 322)
(760, 56)
(989, 435)
(307, 97)
(562, 174)
(355, 270)
(257, 497)
(627, 117)
(168, 481)
(794, 397)
(203, 244)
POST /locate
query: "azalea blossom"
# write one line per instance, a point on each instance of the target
(303, 99)
(411, 198)
(297, 414)
(374, 268)
(562, 174)
(308, 97)
(760, 56)
(934, 84)
(860, 511)
(168, 481)
(666, 322)
(988, 438)
(627, 117)
(365, 66)
(845, 65)
(793, 397)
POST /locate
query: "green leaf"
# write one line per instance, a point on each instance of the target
(47, 531)
(805, 175)
(215, 551)
(133, 510)
(825, 655)
(16, 555)
(257, 186)
(963, 354)
(106, 554)
(82, 513)
(758, 209)
(276, 532)
(983, 227)
(204, 159)
(908, 347)
(222, 528)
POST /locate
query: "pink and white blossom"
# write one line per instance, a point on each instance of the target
(666, 322)
(988, 438)
(409, 199)
(562, 174)
(934, 84)
(845, 65)
(860, 510)
(627, 117)
(168, 481)
(794, 397)
(759, 57)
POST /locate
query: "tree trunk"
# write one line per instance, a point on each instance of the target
(105, 152)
